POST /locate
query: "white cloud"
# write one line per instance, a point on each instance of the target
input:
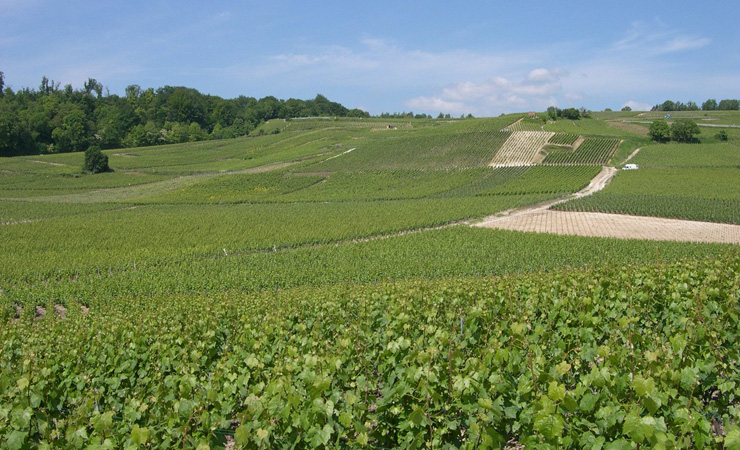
(637, 106)
(536, 90)
(429, 104)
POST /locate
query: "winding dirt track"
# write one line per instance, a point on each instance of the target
(538, 218)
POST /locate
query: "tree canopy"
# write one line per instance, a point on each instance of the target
(709, 105)
(684, 130)
(53, 119)
(659, 131)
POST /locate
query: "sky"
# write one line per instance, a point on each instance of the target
(473, 57)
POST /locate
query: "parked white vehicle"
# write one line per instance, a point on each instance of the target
(630, 167)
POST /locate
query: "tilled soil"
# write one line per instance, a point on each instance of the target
(618, 226)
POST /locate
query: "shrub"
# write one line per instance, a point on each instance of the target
(95, 160)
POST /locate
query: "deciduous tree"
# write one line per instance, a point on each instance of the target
(709, 105)
(659, 131)
(684, 130)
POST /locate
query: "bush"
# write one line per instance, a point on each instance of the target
(95, 160)
(722, 135)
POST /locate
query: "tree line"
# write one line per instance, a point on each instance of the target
(53, 119)
(555, 113)
(709, 105)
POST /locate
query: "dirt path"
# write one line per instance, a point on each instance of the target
(597, 183)
(56, 164)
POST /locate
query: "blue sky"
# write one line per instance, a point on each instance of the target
(484, 58)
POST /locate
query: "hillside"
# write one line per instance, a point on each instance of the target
(318, 286)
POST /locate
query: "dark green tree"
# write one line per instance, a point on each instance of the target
(668, 105)
(71, 136)
(684, 130)
(571, 114)
(626, 109)
(709, 105)
(92, 85)
(659, 131)
(729, 105)
(95, 160)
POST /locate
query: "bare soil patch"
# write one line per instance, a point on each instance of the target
(521, 148)
(618, 226)
(61, 310)
(265, 168)
(47, 162)
(577, 143)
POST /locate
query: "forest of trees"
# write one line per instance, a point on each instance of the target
(51, 119)
(709, 105)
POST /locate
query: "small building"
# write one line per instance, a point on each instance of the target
(630, 167)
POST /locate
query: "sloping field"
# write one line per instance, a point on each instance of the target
(525, 124)
(521, 148)
(590, 151)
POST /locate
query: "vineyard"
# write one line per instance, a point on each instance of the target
(441, 150)
(686, 155)
(466, 363)
(563, 139)
(526, 124)
(590, 151)
(690, 208)
(318, 285)
(698, 193)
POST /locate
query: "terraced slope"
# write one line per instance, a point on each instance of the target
(521, 149)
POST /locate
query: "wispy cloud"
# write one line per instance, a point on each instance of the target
(658, 39)
(537, 90)
(380, 64)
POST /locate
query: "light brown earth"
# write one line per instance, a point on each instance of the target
(618, 226)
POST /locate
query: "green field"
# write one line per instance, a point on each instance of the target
(684, 181)
(590, 151)
(320, 288)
